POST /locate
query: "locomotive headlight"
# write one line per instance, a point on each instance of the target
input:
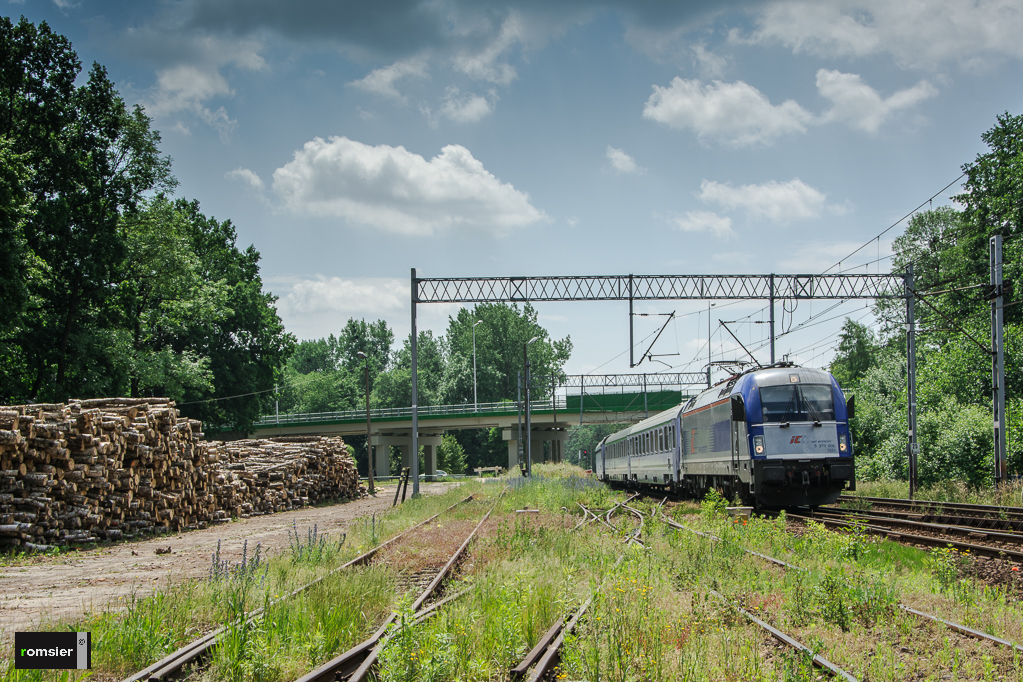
(758, 444)
(843, 443)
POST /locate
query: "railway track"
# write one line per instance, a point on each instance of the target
(979, 524)
(979, 542)
(936, 509)
(179, 662)
(957, 627)
(545, 654)
(357, 663)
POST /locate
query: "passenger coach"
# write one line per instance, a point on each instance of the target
(774, 437)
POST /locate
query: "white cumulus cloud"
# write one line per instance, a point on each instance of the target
(736, 113)
(187, 84)
(249, 177)
(779, 202)
(704, 221)
(469, 108)
(917, 34)
(622, 162)
(186, 88)
(485, 64)
(382, 81)
(392, 189)
(861, 106)
(313, 307)
(347, 297)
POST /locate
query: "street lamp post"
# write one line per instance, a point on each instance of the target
(369, 429)
(475, 399)
(529, 433)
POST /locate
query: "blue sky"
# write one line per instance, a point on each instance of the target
(352, 141)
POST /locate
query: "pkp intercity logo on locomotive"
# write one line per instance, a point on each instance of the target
(52, 650)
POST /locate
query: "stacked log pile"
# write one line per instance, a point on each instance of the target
(104, 469)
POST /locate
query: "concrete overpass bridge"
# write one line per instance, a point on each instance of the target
(550, 420)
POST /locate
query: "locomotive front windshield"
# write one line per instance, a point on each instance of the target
(797, 403)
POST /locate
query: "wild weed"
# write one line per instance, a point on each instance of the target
(713, 504)
(949, 569)
(315, 548)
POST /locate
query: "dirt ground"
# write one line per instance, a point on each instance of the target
(70, 584)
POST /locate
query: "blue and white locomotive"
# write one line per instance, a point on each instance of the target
(775, 437)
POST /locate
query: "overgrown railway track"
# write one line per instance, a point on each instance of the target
(193, 654)
(957, 627)
(977, 541)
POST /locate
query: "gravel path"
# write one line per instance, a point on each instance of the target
(65, 586)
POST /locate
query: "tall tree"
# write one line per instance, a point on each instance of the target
(90, 160)
(856, 354)
(394, 387)
(163, 298)
(500, 337)
(248, 349)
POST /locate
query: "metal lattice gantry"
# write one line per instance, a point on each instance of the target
(655, 288)
(623, 380)
(633, 288)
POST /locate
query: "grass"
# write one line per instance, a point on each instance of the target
(653, 615)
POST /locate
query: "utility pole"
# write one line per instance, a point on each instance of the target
(277, 411)
(631, 363)
(998, 357)
(475, 399)
(709, 306)
(369, 429)
(518, 389)
(646, 409)
(554, 410)
(913, 448)
(771, 325)
(415, 393)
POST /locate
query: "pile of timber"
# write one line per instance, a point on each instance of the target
(111, 468)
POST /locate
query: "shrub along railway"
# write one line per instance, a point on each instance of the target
(553, 592)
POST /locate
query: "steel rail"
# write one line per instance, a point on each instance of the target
(1014, 538)
(982, 524)
(818, 660)
(634, 537)
(200, 647)
(588, 516)
(979, 550)
(962, 506)
(363, 670)
(962, 629)
(537, 652)
(551, 654)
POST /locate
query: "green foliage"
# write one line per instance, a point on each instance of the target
(949, 568)
(450, 455)
(500, 336)
(84, 159)
(586, 437)
(315, 548)
(856, 354)
(714, 504)
(107, 287)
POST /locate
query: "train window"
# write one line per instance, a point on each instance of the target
(660, 439)
(797, 403)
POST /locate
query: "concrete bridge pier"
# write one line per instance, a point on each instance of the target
(539, 437)
(383, 443)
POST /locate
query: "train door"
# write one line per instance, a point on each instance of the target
(738, 418)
